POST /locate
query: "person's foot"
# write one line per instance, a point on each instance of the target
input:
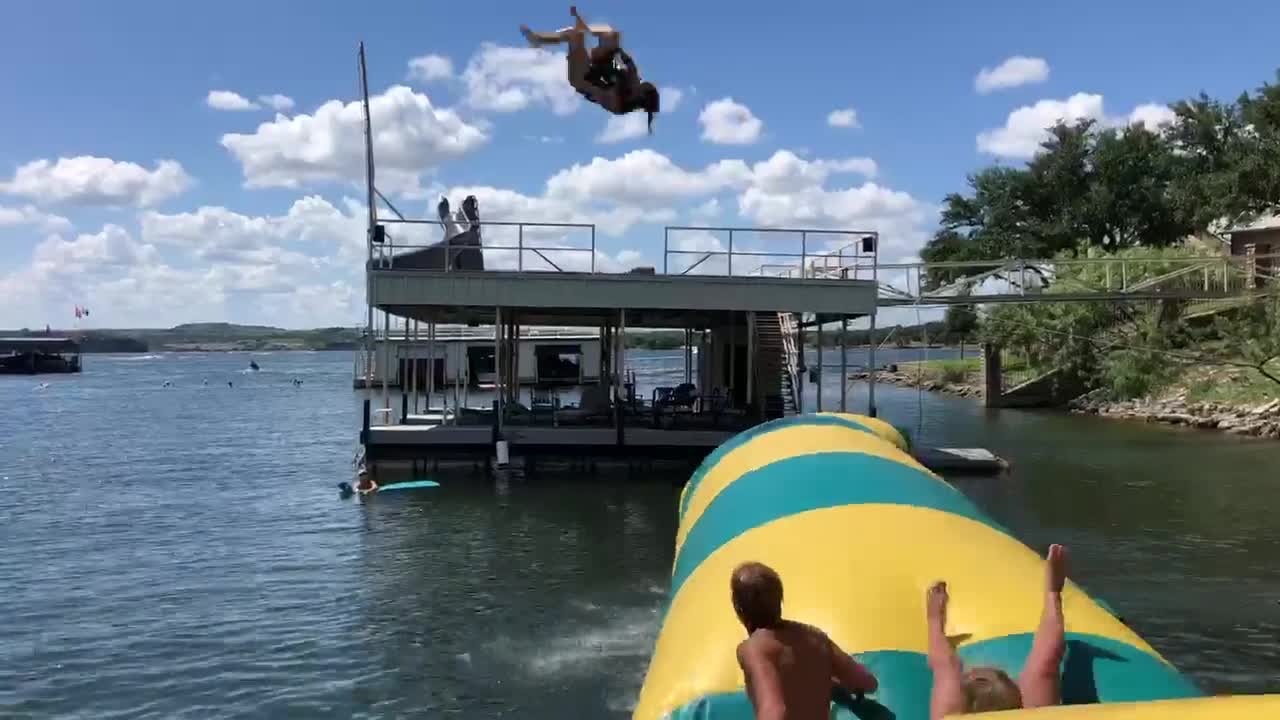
(1055, 568)
(935, 602)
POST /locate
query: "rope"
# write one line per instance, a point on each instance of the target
(920, 379)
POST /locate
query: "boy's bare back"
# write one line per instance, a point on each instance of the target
(795, 664)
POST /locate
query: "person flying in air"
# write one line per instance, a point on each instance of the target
(595, 74)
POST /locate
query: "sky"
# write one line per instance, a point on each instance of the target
(191, 162)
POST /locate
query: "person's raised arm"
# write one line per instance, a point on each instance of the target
(947, 697)
(764, 687)
(1041, 681)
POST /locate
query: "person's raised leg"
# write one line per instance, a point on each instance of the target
(1041, 679)
(555, 37)
(607, 38)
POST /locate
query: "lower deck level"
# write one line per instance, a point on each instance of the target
(418, 441)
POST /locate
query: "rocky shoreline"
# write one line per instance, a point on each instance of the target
(1262, 420)
(914, 380)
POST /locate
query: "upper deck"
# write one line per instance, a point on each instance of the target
(555, 274)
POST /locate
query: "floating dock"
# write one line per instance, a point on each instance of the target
(38, 355)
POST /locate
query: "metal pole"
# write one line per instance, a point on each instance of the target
(520, 250)
(620, 339)
(751, 365)
(871, 367)
(370, 301)
(513, 372)
(801, 369)
(497, 364)
(818, 383)
(844, 363)
(666, 247)
(413, 365)
(731, 259)
(871, 336)
(431, 365)
(733, 358)
(593, 248)
(386, 362)
(804, 256)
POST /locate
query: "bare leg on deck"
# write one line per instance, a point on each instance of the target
(1041, 679)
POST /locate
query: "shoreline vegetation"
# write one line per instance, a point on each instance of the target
(1165, 201)
(230, 337)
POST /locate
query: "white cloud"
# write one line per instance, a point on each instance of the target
(634, 125)
(725, 122)
(294, 269)
(643, 178)
(707, 211)
(506, 79)
(845, 118)
(93, 254)
(31, 215)
(785, 170)
(227, 100)
(218, 234)
(1151, 116)
(1027, 127)
(88, 180)
(411, 137)
(276, 101)
(1013, 72)
(430, 67)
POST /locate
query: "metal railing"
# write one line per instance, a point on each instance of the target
(1110, 278)
(527, 236)
(448, 333)
(861, 252)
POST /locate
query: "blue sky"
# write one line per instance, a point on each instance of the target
(125, 188)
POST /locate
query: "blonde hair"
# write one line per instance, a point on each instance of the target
(988, 689)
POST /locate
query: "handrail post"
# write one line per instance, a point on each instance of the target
(804, 252)
(520, 248)
(593, 248)
(731, 252)
(666, 247)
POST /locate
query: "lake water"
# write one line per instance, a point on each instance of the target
(181, 551)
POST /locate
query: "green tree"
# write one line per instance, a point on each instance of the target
(960, 321)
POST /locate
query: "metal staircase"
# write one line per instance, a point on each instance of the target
(777, 358)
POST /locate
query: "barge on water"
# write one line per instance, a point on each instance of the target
(38, 355)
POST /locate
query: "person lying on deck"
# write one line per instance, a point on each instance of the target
(595, 74)
(957, 691)
(790, 668)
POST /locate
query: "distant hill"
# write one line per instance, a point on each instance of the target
(212, 337)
